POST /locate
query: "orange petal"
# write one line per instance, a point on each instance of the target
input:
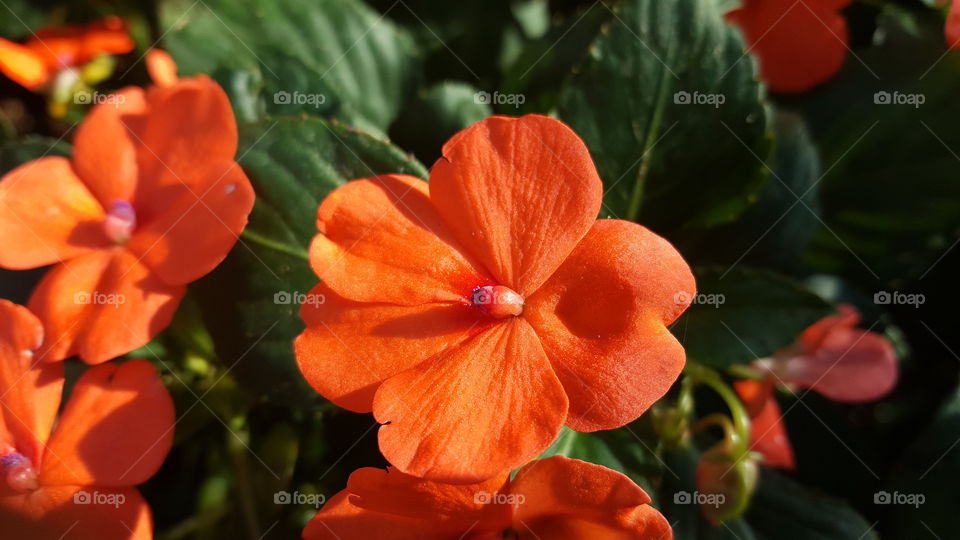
(350, 348)
(474, 411)
(106, 36)
(768, 433)
(116, 429)
(101, 306)
(47, 215)
(29, 390)
(341, 520)
(382, 241)
(567, 498)
(602, 320)
(518, 193)
(569, 486)
(161, 67)
(642, 522)
(189, 126)
(22, 65)
(53, 512)
(457, 506)
(814, 336)
(193, 234)
(799, 45)
(850, 365)
(104, 150)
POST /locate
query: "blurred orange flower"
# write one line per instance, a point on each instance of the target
(800, 43)
(73, 476)
(838, 360)
(477, 314)
(768, 432)
(151, 201)
(553, 498)
(833, 358)
(51, 50)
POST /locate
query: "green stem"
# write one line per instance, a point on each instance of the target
(653, 130)
(742, 371)
(741, 420)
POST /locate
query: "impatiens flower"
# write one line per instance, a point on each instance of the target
(477, 314)
(768, 433)
(799, 43)
(53, 50)
(550, 499)
(72, 476)
(151, 201)
(833, 358)
(838, 360)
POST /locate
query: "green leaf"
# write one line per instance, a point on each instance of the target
(647, 102)
(782, 508)
(777, 228)
(892, 184)
(249, 301)
(458, 40)
(929, 469)
(20, 17)
(16, 153)
(544, 64)
(743, 314)
(585, 447)
(331, 58)
(436, 115)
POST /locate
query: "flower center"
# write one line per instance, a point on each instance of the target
(497, 301)
(120, 221)
(19, 472)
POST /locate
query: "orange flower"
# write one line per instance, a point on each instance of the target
(800, 43)
(51, 50)
(838, 360)
(75, 474)
(151, 201)
(768, 432)
(833, 358)
(553, 498)
(477, 314)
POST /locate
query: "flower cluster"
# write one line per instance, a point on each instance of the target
(119, 222)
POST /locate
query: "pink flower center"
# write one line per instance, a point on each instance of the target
(497, 301)
(120, 222)
(19, 472)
